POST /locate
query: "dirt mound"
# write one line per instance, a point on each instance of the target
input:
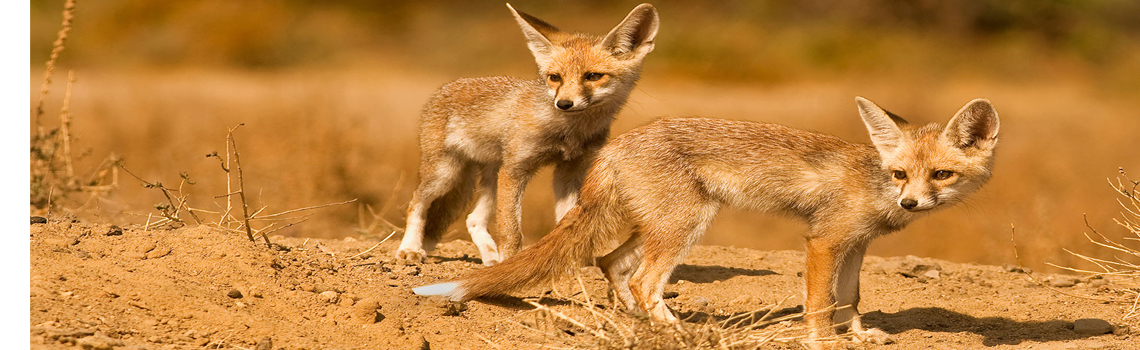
(98, 286)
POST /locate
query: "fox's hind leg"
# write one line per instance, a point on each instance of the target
(619, 265)
(667, 241)
(481, 217)
(443, 192)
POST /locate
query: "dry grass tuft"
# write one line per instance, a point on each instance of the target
(1124, 266)
(226, 217)
(53, 175)
(589, 325)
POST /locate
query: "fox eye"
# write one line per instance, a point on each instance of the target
(899, 174)
(554, 78)
(942, 174)
(593, 76)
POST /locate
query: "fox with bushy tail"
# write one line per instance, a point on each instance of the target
(665, 182)
(489, 136)
(581, 235)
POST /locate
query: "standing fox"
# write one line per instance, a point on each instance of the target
(500, 130)
(664, 182)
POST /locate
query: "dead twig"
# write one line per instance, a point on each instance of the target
(241, 184)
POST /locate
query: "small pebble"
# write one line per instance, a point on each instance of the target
(39, 220)
(145, 247)
(421, 343)
(1015, 268)
(450, 308)
(932, 274)
(330, 297)
(158, 253)
(1062, 281)
(98, 343)
(265, 344)
(454, 308)
(1092, 326)
(234, 293)
(308, 287)
(367, 311)
(115, 230)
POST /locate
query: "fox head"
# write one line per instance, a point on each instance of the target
(581, 71)
(931, 165)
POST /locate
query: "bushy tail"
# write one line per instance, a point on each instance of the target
(571, 245)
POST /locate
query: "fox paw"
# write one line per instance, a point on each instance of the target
(491, 261)
(873, 336)
(410, 256)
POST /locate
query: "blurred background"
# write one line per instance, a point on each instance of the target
(329, 92)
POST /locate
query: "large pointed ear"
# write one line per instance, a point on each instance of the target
(634, 34)
(537, 33)
(882, 125)
(975, 125)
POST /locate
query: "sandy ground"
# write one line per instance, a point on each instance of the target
(95, 286)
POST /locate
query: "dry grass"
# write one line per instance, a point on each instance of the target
(1124, 265)
(586, 324)
(53, 175)
(232, 217)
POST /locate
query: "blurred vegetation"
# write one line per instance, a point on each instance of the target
(741, 40)
(331, 91)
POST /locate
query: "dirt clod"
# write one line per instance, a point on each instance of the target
(1093, 326)
(158, 253)
(670, 295)
(450, 307)
(421, 343)
(115, 230)
(39, 220)
(367, 311)
(265, 344)
(330, 297)
(932, 275)
(98, 343)
(1015, 268)
(1062, 281)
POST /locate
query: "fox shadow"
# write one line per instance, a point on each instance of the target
(995, 330)
(742, 319)
(443, 259)
(708, 274)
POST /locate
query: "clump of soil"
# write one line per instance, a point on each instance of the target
(98, 286)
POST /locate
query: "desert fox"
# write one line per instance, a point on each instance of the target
(665, 181)
(500, 130)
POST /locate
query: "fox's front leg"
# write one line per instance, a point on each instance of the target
(513, 178)
(820, 276)
(568, 177)
(847, 297)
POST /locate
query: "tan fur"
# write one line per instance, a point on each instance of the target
(667, 180)
(501, 130)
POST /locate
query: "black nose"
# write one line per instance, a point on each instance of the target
(564, 104)
(908, 203)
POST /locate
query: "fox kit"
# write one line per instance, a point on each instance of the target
(665, 181)
(500, 130)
